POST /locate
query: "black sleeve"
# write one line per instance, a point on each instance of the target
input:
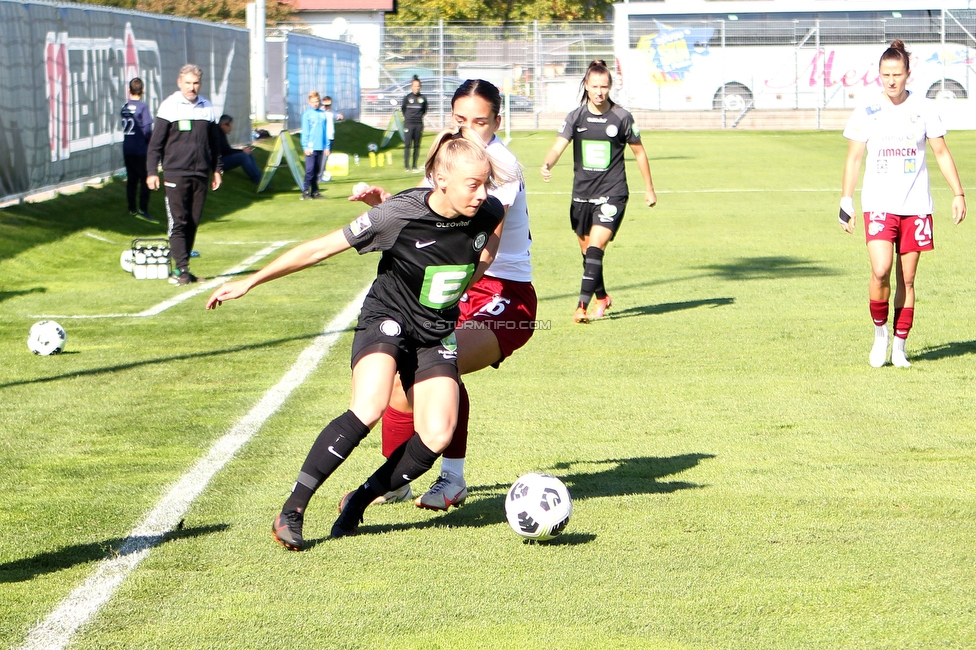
(425, 106)
(157, 146)
(403, 105)
(213, 132)
(378, 229)
(225, 148)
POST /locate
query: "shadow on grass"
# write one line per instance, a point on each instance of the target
(667, 307)
(946, 350)
(29, 568)
(7, 295)
(774, 267)
(486, 503)
(175, 357)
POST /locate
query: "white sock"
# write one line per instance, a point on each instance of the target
(898, 357)
(879, 351)
(453, 466)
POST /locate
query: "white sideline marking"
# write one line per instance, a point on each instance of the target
(186, 295)
(100, 238)
(57, 629)
(716, 191)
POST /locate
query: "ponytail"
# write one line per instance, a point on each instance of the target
(896, 52)
(597, 66)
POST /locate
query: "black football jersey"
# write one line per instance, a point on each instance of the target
(427, 261)
(598, 150)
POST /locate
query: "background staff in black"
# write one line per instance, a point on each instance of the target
(186, 141)
(414, 107)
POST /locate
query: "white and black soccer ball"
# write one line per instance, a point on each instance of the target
(538, 506)
(46, 338)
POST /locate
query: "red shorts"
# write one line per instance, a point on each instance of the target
(909, 234)
(505, 307)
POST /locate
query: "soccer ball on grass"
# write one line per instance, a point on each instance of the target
(538, 506)
(46, 338)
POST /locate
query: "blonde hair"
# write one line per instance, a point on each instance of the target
(313, 94)
(451, 146)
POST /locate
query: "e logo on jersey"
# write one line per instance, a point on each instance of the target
(390, 328)
(480, 241)
(360, 225)
(612, 130)
(443, 285)
(596, 154)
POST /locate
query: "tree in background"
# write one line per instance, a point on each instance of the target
(503, 12)
(229, 11)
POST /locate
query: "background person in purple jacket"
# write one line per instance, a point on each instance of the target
(136, 129)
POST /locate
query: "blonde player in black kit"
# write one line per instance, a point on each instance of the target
(434, 242)
(599, 130)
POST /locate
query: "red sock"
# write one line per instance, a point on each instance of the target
(397, 429)
(904, 316)
(459, 443)
(879, 312)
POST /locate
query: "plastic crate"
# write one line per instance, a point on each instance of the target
(151, 259)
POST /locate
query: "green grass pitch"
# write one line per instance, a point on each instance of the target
(742, 478)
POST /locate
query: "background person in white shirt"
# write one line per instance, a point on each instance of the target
(896, 202)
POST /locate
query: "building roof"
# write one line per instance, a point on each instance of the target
(343, 5)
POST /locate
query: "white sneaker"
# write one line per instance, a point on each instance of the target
(879, 351)
(448, 490)
(898, 358)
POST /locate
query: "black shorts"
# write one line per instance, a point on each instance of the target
(415, 361)
(608, 213)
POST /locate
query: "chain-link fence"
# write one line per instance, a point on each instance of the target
(803, 71)
(539, 66)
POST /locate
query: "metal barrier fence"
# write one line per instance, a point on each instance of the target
(799, 73)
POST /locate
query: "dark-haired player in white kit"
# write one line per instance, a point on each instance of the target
(892, 129)
(434, 241)
(599, 130)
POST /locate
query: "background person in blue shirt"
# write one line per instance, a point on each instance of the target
(137, 124)
(314, 143)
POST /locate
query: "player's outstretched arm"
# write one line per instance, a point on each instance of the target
(650, 196)
(371, 195)
(552, 157)
(948, 168)
(852, 167)
(301, 257)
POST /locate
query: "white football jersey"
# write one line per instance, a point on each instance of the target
(896, 177)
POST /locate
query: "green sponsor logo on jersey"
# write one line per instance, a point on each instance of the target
(443, 285)
(596, 154)
(450, 342)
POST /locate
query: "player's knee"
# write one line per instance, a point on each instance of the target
(437, 435)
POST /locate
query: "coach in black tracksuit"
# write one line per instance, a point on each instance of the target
(186, 139)
(414, 107)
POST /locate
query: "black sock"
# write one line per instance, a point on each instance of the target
(407, 463)
(600, 291)
(592, 275)
(334, 444)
